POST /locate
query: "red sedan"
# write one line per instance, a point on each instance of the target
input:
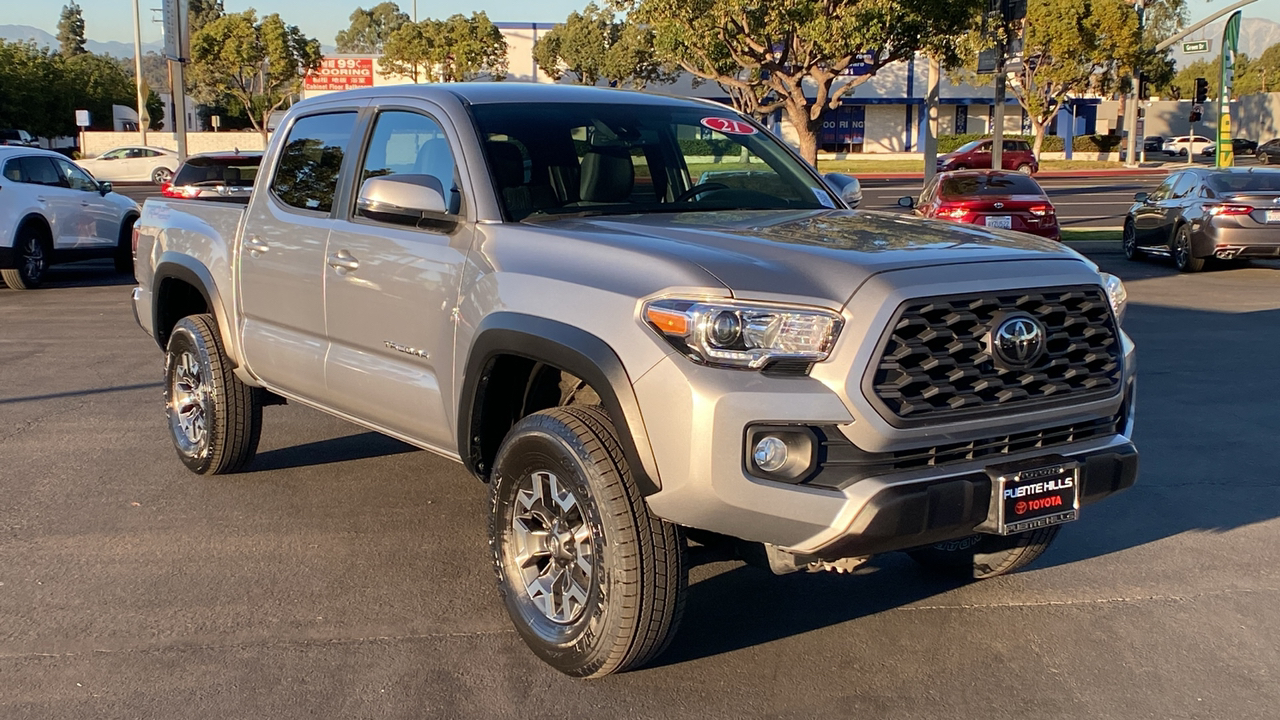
(992, 198)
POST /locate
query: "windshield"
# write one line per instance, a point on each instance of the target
(969, 185)
(1245, 182)
(969, 146)
(574, 158)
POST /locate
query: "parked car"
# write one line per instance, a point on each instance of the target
(1239, 146)
(17, 137)
(52, 211)
(1269, 152)
(476, 269)
(1200, 214)
(1016, 155)
(133, 164)
(991, 198)
(1179, 145)
(1153, 144)
(222, 176)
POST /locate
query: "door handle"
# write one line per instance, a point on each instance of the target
(343, 262)
(255, 245)
(39, 198)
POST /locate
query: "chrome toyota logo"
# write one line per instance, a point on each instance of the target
(1019, 340)
(999, 205)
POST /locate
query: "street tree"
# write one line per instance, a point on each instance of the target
(592, 46)
(201, 13)
(71, 30)
(803, 51)
(261, 64)
(95, 83)
(455, 49)
(370, 29)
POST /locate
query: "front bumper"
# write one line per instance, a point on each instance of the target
(140, 301)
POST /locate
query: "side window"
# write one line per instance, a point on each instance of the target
(1162, 192)
(133, 153)
(40, 171)
(113, 155)
(75, 178)
(13, 171)
(984, 147)
(1186, 183)
(406, 142)
(306, 175)
(150, 153)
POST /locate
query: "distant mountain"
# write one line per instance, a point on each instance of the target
(42, 38)
(1256, 35)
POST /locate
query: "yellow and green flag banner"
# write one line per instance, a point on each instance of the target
(1230, 40)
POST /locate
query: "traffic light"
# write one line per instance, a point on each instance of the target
(1144, 89)
(1202, 91)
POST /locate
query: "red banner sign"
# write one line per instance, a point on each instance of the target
(340, 74)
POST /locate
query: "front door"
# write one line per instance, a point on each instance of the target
(282, 254)
(99, 226)
(391, 287)
(61, 205)
(1148, 219)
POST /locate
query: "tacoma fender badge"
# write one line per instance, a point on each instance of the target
(406, 349)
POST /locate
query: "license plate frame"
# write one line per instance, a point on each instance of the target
(999, 222)
(1046, 491)
(1272, 217)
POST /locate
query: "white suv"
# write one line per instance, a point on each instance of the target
(1179, 145)
(52, 211)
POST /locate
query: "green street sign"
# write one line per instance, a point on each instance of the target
(1199, 46)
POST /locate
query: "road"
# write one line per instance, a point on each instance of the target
(346, 575)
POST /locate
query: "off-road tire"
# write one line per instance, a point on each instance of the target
(1182, 251)
(231, 410)
(123, 257)
(1129, 242)
(635, 593)
(31, 255)
(986, 556)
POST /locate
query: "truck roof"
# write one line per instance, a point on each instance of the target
(481, 93)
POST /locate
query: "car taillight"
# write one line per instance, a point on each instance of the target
(1228, 209)
(1041, 210)
(959, 213)
(135, 240)
(166, 189)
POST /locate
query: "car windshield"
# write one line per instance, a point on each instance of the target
(1245, 182)
(977, 185)
(969, 146)
(230, 170)
(590, 159)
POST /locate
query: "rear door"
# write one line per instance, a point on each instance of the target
(281, 256)
(391, 286)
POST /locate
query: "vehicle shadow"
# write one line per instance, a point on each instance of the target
(85, 273)
(1205, 424)
(322, 452)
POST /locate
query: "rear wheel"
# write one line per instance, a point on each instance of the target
(1024, 168)
(161, 175)
(593, 583)
(986, 556)
(1182, 152)
(1129, 241)
(1182, 252)
(214, 418)
(31, 256)
(123, 257)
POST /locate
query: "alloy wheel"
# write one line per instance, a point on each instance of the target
(33, 260)
(551, 548)
(189, 405)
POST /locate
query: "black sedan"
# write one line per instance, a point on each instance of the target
(1153, 144)
(1199, 214)
(1269, 152)
(1239, 146)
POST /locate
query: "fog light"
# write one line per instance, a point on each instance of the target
(770, 454)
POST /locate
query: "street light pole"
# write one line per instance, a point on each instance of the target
(137, 72)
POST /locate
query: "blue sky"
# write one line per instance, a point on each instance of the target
(112, 19)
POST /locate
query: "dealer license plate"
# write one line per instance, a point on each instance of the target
(1033, 494)
(1003, 222)
(1273, 216)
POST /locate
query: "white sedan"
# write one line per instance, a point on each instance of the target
(133, 164)
(52, 211)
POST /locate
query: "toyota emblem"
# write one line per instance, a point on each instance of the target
(1018, 341)
(999, 205)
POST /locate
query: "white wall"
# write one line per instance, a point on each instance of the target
(96, 143)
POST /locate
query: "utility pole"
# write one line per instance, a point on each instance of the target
(137, 73)
(1131, 144)
(997, 132)
(931, 123)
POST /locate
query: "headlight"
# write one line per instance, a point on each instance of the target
(743, 335)
(1116, 293)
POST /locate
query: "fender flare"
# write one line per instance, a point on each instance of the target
(177, 266)
(570, 349)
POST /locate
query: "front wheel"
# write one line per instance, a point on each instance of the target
(593, 583)
(986, 556)
(31, 259)
(123, 256)
(214, 418)
(1182, 252)
(1129, 241)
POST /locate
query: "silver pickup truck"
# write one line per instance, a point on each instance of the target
(638, 345)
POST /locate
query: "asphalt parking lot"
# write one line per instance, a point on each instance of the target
(346, 574)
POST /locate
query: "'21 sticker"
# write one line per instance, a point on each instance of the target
(727, 126)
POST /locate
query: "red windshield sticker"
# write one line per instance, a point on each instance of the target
(727, 126)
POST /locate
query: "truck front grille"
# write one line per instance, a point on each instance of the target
(936, 365)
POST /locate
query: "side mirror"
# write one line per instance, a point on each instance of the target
(104, 187)
(907, 202)
(1140, 197)
(847, 187)
(405, 199)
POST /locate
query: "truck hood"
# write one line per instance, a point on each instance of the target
(820, 254)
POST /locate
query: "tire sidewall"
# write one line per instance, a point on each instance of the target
(573, 648)
(1129, 241)
(186, 336)
(22, 250)
(161, 175)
